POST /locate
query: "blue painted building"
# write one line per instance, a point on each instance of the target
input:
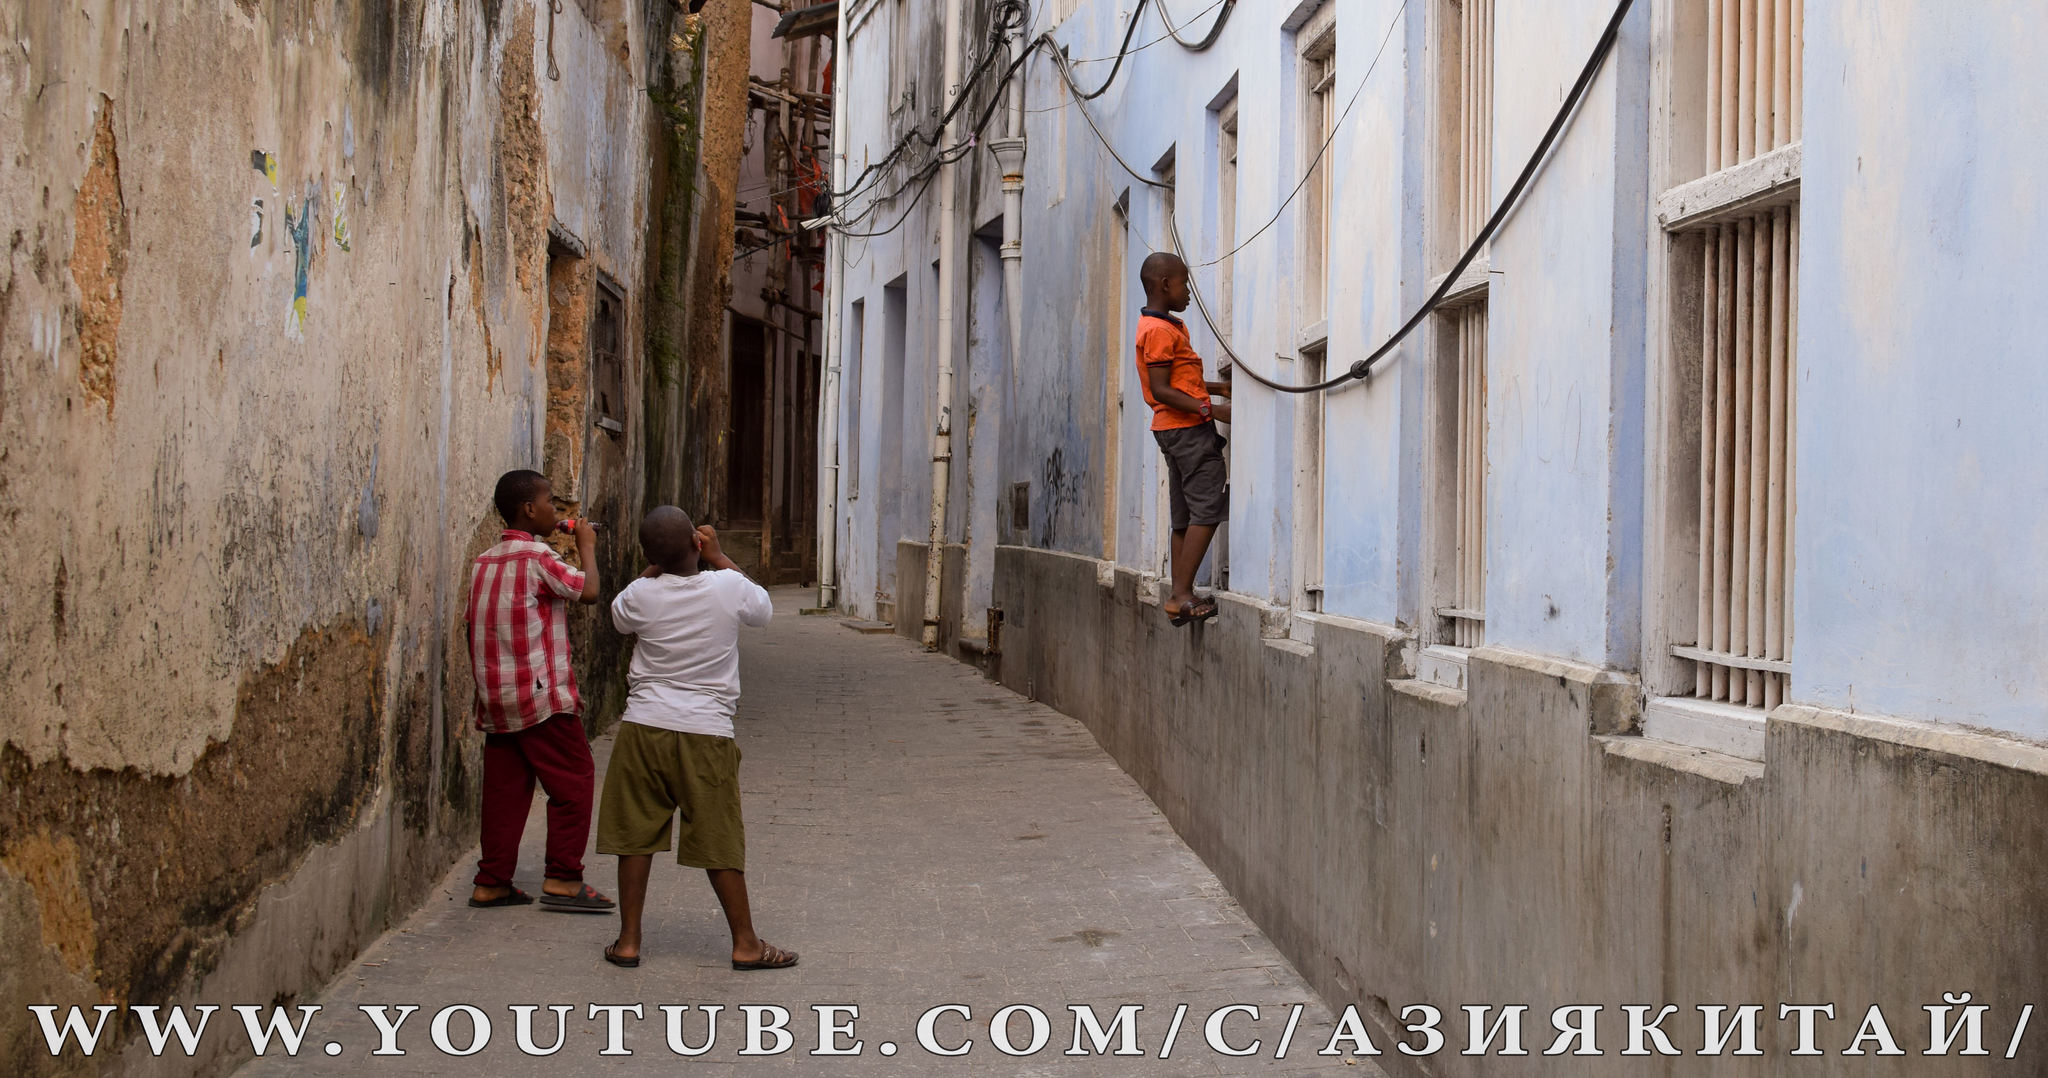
(1691, 546)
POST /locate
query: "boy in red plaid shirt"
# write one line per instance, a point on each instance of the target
(526, 702)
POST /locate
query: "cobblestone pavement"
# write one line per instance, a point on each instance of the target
(923, 837)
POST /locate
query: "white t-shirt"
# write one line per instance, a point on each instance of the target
(686, 665)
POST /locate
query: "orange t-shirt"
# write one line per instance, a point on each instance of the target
(1163, 339)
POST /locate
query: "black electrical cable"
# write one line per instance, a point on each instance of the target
(1215, 30)
(988, 113)
(997, 30)
(1363, 367)
(1168, 36)
(1123, 50)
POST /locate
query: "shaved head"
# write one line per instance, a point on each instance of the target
(1160, 267)
(668, 538)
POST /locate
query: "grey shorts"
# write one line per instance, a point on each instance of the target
(1197, 480)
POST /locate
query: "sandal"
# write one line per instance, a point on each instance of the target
(1202, 609)
(514, 897)
(585, 901)
(617, 959)
(772, 957)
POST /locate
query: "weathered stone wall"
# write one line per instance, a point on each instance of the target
(273, 319)
(1513, 844)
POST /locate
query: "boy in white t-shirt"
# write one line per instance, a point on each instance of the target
(675, 752)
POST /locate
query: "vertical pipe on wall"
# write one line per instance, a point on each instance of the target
(1724, 445)
(835, 329)
(942, 390)
(1009, 153)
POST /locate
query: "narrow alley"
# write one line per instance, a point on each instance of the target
(923, 837)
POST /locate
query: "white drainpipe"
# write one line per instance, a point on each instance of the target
(828, 390)
(942, 435)
(1010, 158)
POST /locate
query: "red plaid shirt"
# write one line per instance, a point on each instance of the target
(519, 634)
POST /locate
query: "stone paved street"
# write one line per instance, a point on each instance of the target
(923, 837)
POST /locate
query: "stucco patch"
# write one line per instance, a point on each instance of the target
(50, 866)
(146, 875)
(568, 351)
(524, 154)
(494, 362)
(99, 258)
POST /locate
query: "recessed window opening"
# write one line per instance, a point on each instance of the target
(1226, 218)
(607, 359)
(1745, 272)
(1117, 356)
(1308, 483)
(902, 69)
(1318, 68)
(1226, 287)
(853, 343)
(1461, 198)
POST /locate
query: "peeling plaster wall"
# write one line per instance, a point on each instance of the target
(273, 319)
(1917, 535)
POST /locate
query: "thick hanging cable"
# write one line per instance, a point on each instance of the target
(1215, 29)
(1168, 36)
(1363, 367)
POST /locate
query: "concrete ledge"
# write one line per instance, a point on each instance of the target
(1763, 181)
(1428, 691)
(1728, 729)
(1298, 649)
(1928, 737)
(1713, 765)
(1617, 703)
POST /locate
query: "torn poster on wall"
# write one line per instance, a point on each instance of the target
(265, 162)
(341, 235)
(298, 233)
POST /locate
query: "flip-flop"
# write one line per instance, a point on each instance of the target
(1202, 609)
(772, 957)
(514, 897)
(620, 960)
(583, 901)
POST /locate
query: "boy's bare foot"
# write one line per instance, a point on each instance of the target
(620, 955)
(1181, 610)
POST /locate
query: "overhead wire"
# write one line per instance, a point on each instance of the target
(1170, 35)
(1357, 370)
(1215, 29)
(1360, 368)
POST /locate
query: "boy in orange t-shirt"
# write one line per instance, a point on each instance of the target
(1184, 424)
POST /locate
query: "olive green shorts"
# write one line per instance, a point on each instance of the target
(656, 774)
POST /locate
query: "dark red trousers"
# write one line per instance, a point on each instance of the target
(555, 753)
